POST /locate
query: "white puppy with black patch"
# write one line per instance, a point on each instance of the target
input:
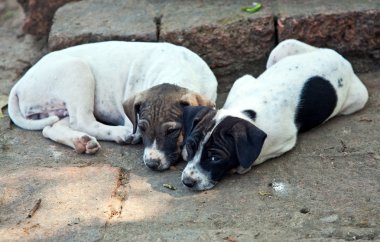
(302, 87)
(115, 91)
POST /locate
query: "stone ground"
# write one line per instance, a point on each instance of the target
(326, 189)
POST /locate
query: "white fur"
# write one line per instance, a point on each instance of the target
(68, 80)
(275, 94)
(152, 153)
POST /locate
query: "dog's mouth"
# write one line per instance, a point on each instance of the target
(161, 162)
(201, 186)
(198, 184)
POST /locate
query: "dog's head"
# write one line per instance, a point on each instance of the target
(156, 115)
(215, 143)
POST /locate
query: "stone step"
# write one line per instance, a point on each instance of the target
(231, 41)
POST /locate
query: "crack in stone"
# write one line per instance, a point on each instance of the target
(119, 195)
(158, 21)
(275, 27)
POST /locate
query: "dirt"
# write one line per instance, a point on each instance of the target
(327, 188)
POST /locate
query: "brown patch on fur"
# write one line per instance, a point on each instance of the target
(195, 99)
(163, 94)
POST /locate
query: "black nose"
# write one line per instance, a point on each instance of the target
(189, 182)
(153, 164)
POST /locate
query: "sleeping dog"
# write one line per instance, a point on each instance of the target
(114, 91)
(302, 88)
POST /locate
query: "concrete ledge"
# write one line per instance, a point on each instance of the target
(84, 22)
(229, 40)
(350, 27)
(39, 15)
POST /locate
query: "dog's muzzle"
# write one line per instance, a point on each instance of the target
(198, 184)
(196, 180)
(155, 159)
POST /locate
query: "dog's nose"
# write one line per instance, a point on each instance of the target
(153, 163)
(189, 182)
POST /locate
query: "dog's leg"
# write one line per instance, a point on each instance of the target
(288, 48)
(79, 85)
(62, 133)
(357, 97)
(84, 120)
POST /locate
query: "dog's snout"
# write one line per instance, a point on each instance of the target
(153, 163)
(189, 182)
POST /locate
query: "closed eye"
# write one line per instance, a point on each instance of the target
(142, 129)
(172, 131)
(142, 126)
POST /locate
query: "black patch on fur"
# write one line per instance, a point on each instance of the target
(197, 121)
(250, 114)
(317, 102)
(340, 82)
(233, 142)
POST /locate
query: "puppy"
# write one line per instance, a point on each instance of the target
(302, 88)
(114, 91)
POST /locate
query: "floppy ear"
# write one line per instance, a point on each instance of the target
(195, 99)
(249, 141)
(191, 117)
(132, 108)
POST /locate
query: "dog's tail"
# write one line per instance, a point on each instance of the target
(16, 116)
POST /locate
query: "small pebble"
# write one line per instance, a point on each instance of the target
(330, 219)
(305, 210)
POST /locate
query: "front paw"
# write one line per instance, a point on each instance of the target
(134, 139)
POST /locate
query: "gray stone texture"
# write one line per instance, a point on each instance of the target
(224, 36)
(76, 202)
(350, 27)
(101, 20)
(329, 182)
(229, 40)
(39, 15)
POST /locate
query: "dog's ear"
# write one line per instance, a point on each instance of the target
(132, 109)
(195, 99)
(196, 121)
(249, 141)
(191, 117)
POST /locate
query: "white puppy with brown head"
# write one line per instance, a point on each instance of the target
(115, 91)
(302, 88)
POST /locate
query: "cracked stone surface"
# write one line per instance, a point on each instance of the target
(229, 40)
(76, 202)
(327, 188)
(129, 20)
(39, 15)
(352, 28)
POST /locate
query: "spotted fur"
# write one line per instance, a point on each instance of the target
(302, 88)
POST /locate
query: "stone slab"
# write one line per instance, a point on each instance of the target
(224, 36)
(15, 59)
(229, 40)
(74, 203)
(350, 27)
(39, 15)
(326, 189)
(102, 20)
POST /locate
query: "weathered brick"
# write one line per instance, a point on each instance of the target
(39, 15)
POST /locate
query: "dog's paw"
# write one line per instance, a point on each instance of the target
(86, 144)
(133, 139)
(137, 138)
